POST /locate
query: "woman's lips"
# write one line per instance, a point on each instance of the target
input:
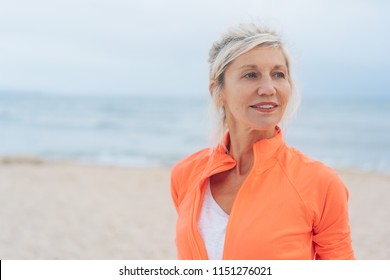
(265, 107)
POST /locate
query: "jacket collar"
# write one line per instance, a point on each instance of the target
(267, 150)
(265, 154)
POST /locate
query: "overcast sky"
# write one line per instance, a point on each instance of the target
(160, 47)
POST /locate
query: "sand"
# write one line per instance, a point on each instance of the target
(68, 210)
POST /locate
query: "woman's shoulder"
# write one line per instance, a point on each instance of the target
(302, 160)
(185, 172)
(302, 168)
(191, 163)
(315, 182)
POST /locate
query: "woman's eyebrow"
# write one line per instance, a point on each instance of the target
(254, 66)
(281, 66)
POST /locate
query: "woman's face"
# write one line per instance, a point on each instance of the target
(256, 90)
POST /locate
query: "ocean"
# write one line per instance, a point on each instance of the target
(160, 130)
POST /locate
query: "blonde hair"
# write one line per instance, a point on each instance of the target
(235, 42)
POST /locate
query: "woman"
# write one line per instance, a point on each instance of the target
(252, 196)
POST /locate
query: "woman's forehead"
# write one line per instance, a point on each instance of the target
(260, 56)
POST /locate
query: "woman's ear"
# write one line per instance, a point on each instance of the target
(212, 86)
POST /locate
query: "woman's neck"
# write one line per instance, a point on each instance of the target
(241, 147)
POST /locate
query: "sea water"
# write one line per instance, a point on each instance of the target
(160, 130)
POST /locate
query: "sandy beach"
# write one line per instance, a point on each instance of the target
(68, 210)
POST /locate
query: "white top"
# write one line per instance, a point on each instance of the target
(212, 225)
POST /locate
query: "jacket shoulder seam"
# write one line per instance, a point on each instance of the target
(308, 212)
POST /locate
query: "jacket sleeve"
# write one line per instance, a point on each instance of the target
(178, 185)
(331, 230)
(175, 186)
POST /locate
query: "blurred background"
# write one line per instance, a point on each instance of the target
(103, 80)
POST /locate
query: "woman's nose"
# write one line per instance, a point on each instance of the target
(266, 87)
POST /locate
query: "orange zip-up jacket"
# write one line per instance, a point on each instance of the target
(289, 206)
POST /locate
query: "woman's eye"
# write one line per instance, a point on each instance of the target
(250, 75)
(279, 75)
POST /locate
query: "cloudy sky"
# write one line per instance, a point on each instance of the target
(339, 48)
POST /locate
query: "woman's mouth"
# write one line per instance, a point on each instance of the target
(265, 107)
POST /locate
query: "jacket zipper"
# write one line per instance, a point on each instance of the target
(254, 167)
(194, 226)
(194, 223)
